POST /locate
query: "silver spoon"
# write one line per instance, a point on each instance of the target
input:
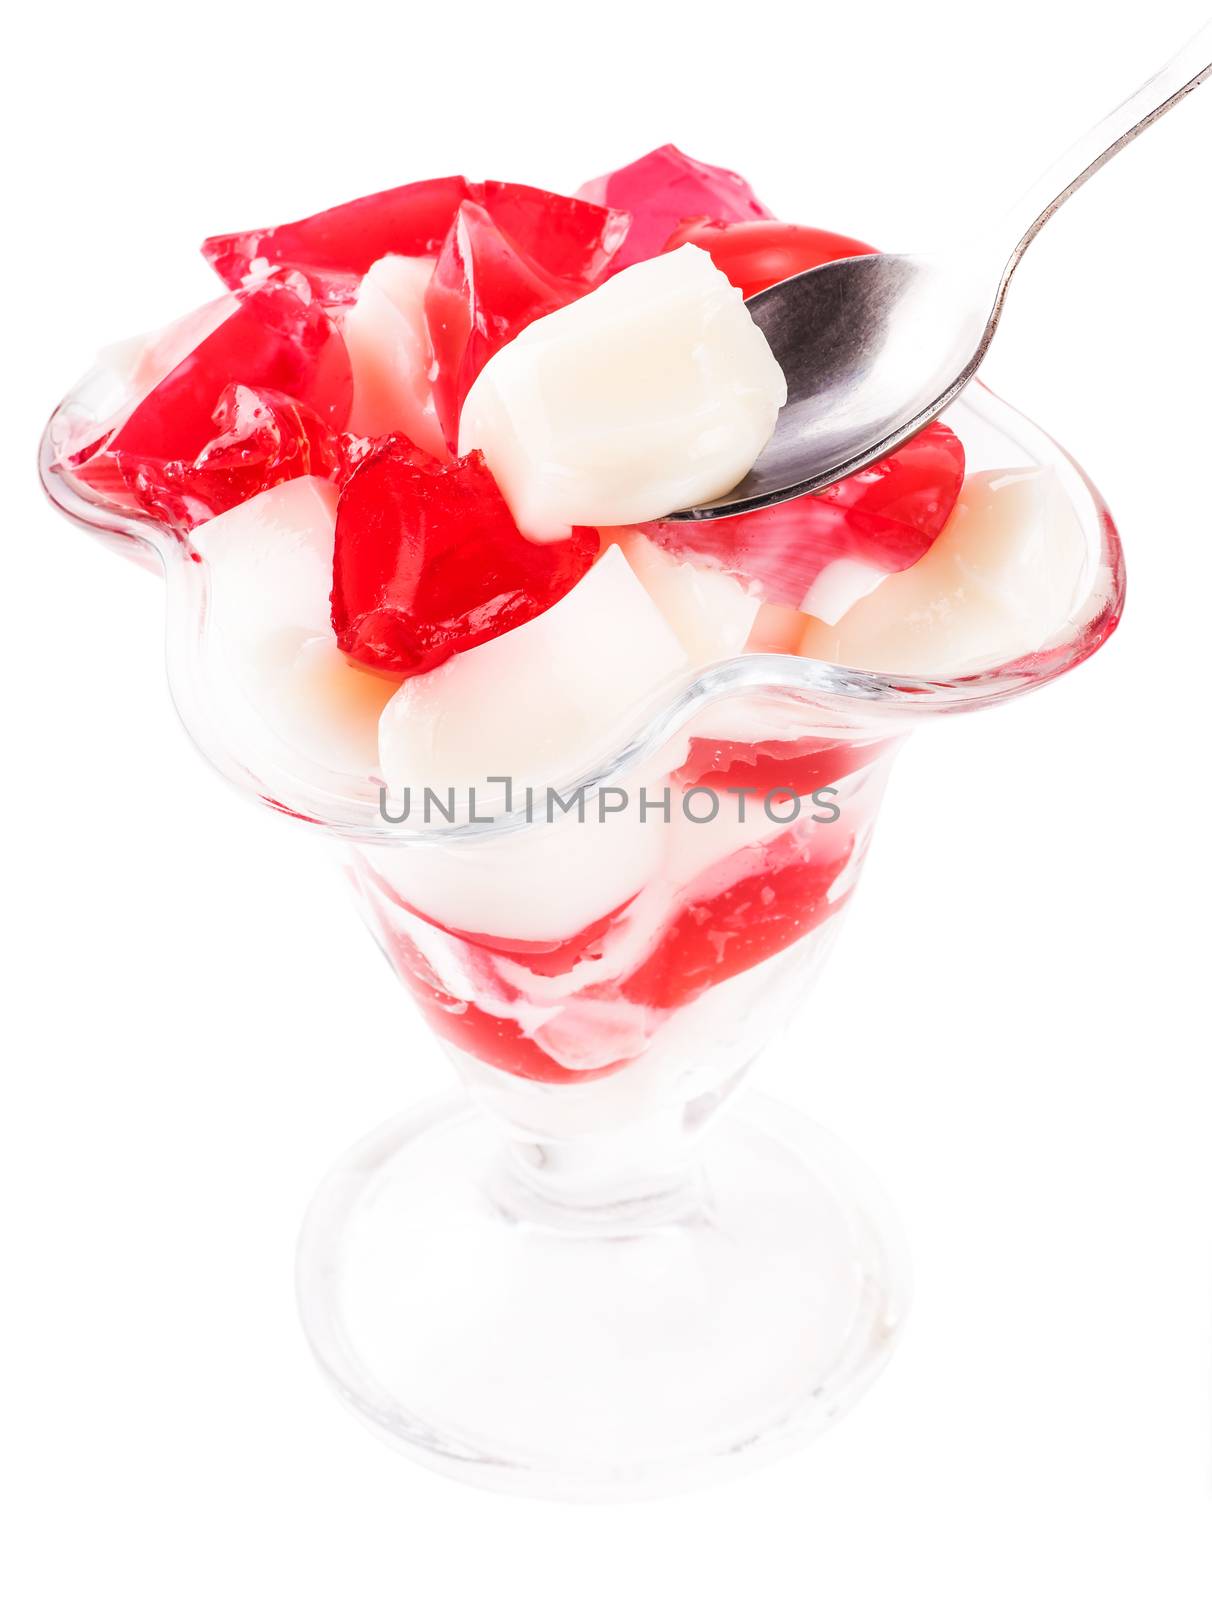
(873, 347)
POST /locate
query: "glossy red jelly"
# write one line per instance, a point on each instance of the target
(335, 247)
(499, 1041)
(774, 766)
(754, 255)
(739, 912)
(180, 451)
(429, 561)
(888, 515)
(546, 958)
(520, 255)
(742, 911)
(571, 238)
(263, 438)
(665, 188)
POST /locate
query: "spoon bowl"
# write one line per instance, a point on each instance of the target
(873, 347)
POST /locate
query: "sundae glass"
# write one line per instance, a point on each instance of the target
(604, 783)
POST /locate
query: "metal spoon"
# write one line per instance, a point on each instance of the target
(873, 347)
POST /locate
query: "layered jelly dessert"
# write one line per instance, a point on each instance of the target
(420, 460)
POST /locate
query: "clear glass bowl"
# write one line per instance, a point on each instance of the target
(586, 1278)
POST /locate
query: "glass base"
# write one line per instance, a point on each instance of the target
(599, 1351)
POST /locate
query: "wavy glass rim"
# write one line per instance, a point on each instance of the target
(844, 697)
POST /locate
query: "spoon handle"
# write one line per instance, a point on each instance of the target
(1182, 73)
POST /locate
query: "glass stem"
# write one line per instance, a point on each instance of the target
(644, 1170)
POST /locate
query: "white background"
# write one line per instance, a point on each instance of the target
(1013, 1032)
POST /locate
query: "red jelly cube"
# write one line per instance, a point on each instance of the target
(887, 515)
(740, 912)
(275, 342)
(753, 255)
(774, 766)
(520, 255)
(499, 1041)
(262, 438)
(507, 253)
(547, 958)
(567, 237)
(334, 248)
(429, 561)
(664, 188)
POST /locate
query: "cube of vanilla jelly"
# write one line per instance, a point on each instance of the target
(270, 571)
(1001, 580)
(542, 702)
(540, 705)
(541, 884)
(391, 355)
(709, 610)
(777, 630)
(653, 392)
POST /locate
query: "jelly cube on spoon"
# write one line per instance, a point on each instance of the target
(516, 256)
(653, 392)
